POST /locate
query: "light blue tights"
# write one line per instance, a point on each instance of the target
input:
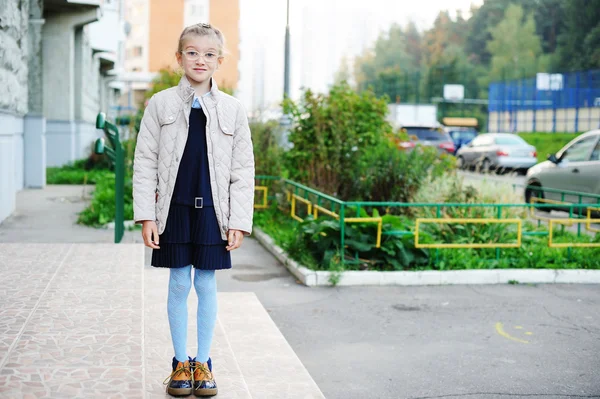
(180, 284)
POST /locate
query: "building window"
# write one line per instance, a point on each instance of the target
(137, 51)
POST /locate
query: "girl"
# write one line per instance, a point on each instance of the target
(193, 191)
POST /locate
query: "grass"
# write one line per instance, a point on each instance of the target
(547, 143)
(67, 175)
(82, 171)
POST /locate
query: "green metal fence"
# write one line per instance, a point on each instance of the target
(304, 201)
(116, 155)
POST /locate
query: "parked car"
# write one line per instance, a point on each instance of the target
(576, 167)
(427, 136)
(499, 151)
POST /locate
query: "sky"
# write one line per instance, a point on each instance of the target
(322, 33)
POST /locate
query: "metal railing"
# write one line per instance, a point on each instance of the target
(116, 155)
(305, 201)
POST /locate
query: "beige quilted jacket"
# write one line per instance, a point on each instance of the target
(160, 144)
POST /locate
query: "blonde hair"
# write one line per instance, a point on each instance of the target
(202, 29)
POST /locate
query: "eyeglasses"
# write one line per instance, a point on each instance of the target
(192, 55)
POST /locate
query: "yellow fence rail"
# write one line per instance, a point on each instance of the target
(264, 203)
(570, 222)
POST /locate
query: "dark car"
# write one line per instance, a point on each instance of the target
(461, 135)
(428, 136)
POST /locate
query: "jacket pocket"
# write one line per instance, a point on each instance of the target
(167, 119)
(226, 125)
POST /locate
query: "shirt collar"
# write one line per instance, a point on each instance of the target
(196, 102)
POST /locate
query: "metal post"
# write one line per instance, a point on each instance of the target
(286, 77)
(342, 233)
(535, 104)
(116, 155)
(577, 83)
(418, 87)
(119, 189)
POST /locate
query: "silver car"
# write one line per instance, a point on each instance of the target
(576, 167)
(499, 151)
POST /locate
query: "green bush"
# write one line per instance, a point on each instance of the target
(82, 171)
(388, 174)
(72, 176)
(266, 137)
(547, 143)
(102, 207)
(342, 146)
(330, 135)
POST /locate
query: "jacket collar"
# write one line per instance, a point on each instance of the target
(186, 91)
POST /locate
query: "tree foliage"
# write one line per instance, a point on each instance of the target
(580, 41)
(515, 47)
(502, 39)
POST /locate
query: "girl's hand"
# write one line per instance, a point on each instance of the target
(234, 238)
(150, 234)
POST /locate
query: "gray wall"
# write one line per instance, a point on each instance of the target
(13, 99)
(11, 161)
(71, 86)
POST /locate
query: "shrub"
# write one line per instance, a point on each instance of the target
(102, 207)
(331, 133)
(266, 137)
(343, 146)
(392, 175)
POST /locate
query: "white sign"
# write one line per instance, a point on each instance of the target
(454, 92)
(547, 81)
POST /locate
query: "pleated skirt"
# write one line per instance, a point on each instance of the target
(192, 237)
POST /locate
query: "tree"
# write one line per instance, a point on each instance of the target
(389, 67)
(515, 47)
(579, 43)
(343, 74)
(444, 33)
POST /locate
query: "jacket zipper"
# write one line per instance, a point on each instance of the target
(208, 131)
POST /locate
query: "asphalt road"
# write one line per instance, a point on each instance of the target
(502, 341)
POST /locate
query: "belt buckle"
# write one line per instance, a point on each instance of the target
(201, 202)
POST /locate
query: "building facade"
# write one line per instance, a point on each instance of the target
(54, 79)
(154, 29)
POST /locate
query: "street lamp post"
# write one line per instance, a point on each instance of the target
(284, 121)
(286, 76)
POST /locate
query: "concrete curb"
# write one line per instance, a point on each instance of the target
(313, 278)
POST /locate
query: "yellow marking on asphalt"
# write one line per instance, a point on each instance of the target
(500, 330)
(518, 327)
(528, 333)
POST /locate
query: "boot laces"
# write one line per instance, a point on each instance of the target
(204, 369)
(175, 373)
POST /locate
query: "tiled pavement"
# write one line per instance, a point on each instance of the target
(89, 321)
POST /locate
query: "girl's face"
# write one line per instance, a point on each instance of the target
(199, 58)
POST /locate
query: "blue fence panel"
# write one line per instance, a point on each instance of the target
(577, 90)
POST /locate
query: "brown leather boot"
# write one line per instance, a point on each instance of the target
(204, 380)
(179, 383)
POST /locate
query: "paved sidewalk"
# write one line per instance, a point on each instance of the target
(89, 321)
(50, 215)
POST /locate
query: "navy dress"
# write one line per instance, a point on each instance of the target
(192, 235)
